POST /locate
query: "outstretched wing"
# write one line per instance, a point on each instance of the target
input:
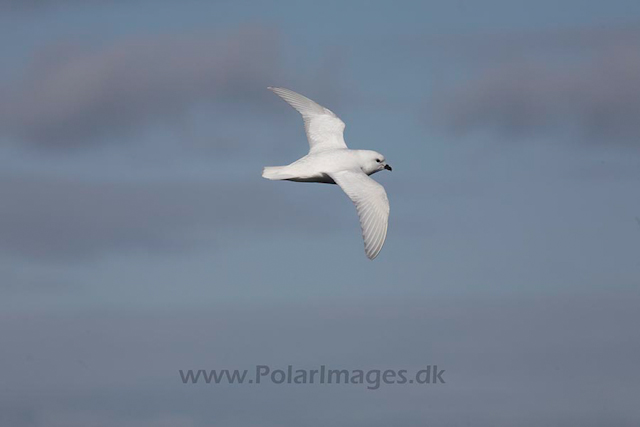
(325, 130)
(372, 206)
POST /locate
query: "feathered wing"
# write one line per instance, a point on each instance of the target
(372, 206)
(325, 130)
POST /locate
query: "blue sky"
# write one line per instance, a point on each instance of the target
(132, 139)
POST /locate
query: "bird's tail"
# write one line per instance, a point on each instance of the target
(276, 173)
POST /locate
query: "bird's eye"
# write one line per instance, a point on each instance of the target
(378, 160)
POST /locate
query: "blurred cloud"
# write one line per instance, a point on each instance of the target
(584, 86)
(28, 281)
(504, 357)
(502, 45)
(71, 96)
(31, 5)
(58, 218)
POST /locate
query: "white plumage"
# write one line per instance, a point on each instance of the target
(331, 161)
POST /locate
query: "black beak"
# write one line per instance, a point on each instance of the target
(387, 167)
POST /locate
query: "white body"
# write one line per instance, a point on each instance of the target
(318, 167)
(331, 161)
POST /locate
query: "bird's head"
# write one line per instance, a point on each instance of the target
(373, 162)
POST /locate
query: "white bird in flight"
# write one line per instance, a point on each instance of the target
(330, 161)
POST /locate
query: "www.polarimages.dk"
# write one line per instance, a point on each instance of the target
(263, 374)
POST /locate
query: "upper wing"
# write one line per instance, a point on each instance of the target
(372, 206)
(324, 129)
